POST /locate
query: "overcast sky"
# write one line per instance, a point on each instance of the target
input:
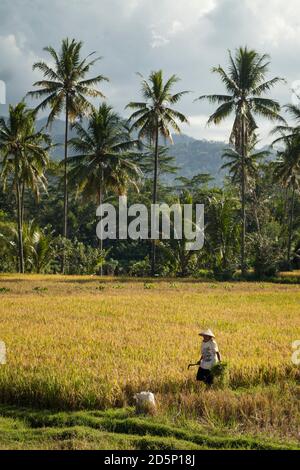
(185, 37)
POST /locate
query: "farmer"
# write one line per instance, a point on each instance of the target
(209, 357)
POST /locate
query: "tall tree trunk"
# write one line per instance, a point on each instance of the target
(256, 213)
(65, 220)
(285, 218)
(243, 240)
(22, 203)
(100, 241)
(291, 222)
(154, 200)
(20, 229)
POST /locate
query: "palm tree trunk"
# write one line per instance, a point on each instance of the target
(20, 229)
(100, 241)
(285, 205)
(243, 266)
(154, 200)
(22, 203)
(65, 222)
(256, 214)
(285, 218)
(291, 222)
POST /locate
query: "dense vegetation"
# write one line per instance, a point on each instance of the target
(48, 207)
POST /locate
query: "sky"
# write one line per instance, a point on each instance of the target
(182, 37)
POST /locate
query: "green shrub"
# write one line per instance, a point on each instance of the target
(79, 258)
(140, 268)
(266, 256)
(110, 267)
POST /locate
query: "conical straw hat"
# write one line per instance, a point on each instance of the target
(207, 332)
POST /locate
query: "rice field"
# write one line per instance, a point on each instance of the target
(85, 343)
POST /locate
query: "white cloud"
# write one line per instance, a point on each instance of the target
(176, 27)
(158, 40)
(15, 66)
(181, 17)
(199, 129)
(186, 37)
(277, 22)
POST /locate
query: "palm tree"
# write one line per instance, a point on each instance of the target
(40, 247)
(287, 171)
(103, 155)
(166, 163)
(251, 171)
(286, 130)
(65, 88)
(37, 245)
(155, 117)
(24, 155)
(103, 149)
(223, 234)
(176, 249)
(195, 183)
(251, 163)
(246, 85)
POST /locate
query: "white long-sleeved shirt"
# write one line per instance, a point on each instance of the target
(209, 351)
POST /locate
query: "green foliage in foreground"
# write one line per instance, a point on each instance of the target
(117, 429)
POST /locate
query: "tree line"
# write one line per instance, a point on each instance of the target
(255, 213)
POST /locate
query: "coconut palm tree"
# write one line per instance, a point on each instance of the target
(65, 88)
(102, 160)
(24, 156)
(194, 184)
(156, 117)
(246, 84)
(37, 243)
(103, 155)
(251, 171)
(176, 248)
(286, 130)
(234, 164)
(223, 234)
(41, 248)
(166, 163)
(287, 172)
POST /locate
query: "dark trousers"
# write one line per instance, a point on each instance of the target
(205, 375)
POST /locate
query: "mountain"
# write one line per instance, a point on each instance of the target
(198, 156)
(192, 156)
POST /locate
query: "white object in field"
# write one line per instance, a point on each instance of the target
(145, 401)
(2, 353)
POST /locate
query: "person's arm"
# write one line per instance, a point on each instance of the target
(199, 361)
(219, 356)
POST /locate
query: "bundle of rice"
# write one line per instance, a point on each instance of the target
(145, 403)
